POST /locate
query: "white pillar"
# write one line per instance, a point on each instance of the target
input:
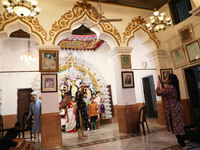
(51, 135)
(124, 96)
(159, 57)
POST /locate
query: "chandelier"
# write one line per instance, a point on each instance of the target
(22, 8)
(158, 22)
(27, 56)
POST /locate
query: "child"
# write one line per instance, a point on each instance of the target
(93, 108)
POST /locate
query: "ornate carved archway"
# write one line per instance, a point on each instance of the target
(80, 10)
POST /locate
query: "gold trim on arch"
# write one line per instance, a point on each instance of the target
(79, 11)
(7, 19)
(65, 22)
(134, 26)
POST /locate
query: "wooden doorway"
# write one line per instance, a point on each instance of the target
(150, 96)
(23, 103)
(193, 86)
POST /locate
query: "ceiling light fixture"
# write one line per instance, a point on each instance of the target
(158, 22)
(27, 56)
(22, 8)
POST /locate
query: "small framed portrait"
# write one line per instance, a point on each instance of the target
(186, 33)
(178, 57)
(49, 83)
(48, 60)
(164, 73)
(193, 50)
(127, 79)
(126, 61)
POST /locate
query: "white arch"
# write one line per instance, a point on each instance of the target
(145, 39)
(16, 25)
(93, 26)
(142, 47)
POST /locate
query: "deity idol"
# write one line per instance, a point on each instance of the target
(74, 89)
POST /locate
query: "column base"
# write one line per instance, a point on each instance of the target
(51, 134)
(127, 118)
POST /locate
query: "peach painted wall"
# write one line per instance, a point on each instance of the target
(50, 103)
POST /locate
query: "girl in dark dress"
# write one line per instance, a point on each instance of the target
(81, 114)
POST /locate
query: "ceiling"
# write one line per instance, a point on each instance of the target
(145, 4)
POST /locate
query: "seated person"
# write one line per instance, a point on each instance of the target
(7, 142)
(13, 132)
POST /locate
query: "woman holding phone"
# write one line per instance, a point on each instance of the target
(172, 107)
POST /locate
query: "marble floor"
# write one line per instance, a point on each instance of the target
(108, 137)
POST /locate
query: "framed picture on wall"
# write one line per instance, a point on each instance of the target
(193, 50)
(49, 83)
(126, 61)
(165, 72)
(178, 57)
(127, 79)
(186, 33)
(48, 60)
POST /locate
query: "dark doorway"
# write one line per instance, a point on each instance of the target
(23, 103)
(193, 86)
(150, 96)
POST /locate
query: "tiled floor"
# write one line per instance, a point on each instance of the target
(108, 137)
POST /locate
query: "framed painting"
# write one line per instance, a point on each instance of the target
(186, 33)
(178, 57)
(193, 50)
(164, 73)
(49, 83)
(126, 61)
(127, 79)
(48, 60)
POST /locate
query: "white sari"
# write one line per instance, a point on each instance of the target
(70, 118)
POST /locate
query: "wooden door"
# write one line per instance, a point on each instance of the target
(23, 103)
(192, 88)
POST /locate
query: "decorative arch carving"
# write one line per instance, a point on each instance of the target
(33, 24)
(135, 25)
(80, 10)
(65, 22)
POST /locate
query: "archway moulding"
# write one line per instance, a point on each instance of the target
(80, 10)
(33, 24)
(135, 25)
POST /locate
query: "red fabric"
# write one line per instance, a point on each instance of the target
(74, 110)
(173, 108)
(73, 130)
(68, 106)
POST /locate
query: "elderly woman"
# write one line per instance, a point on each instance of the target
(172, 106)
